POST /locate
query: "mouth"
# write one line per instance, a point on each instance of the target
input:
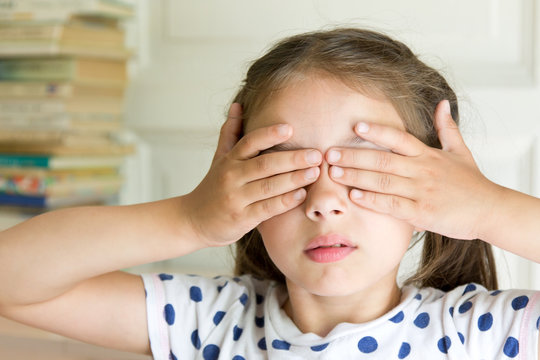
(329, 248)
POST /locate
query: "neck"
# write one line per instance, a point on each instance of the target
(320, 314)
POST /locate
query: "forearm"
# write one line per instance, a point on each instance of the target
(47, 255)
(514, 224)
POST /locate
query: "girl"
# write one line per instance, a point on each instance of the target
(329, 162)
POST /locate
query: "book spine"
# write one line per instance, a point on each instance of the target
(11, 33)
(39, 89)
(24, 161)
(21, 200)
(36, 69)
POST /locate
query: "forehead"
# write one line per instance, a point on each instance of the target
(322, 110)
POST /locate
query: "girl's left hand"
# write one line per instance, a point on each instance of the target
(442, 191)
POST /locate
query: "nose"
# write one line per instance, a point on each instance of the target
(325, 199)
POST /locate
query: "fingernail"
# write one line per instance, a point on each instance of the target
(311, 173)
(356, 194)
(299, 194)
(446, 107)
(362, 127)
(283, 130)
(336, 172)
(313, 157)
(334, 155)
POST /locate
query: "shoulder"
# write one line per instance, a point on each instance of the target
(194, 289)
(484, 321)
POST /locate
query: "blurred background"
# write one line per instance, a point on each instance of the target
(120, 102)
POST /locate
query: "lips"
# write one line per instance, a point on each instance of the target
(329, 248)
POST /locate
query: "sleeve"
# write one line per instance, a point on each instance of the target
(496, 324)
(182, 310)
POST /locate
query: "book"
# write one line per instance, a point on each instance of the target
(54, 202)
(55, 137)
(58, 184)
(83, 70)
(65, 149)
(80, 32)
(31, 106)
(59, 90)
(59, 162)
(46, 10)
(66, 122)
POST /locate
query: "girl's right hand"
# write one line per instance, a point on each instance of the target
(243, 188)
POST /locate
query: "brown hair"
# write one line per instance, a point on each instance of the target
(374, 64)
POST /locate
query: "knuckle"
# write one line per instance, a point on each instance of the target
(262, 163)
(267, 208)
(394, 204)
(383, 182)
(382, 161)
(267, 186)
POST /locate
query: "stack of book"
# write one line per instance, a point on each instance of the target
(62, 80)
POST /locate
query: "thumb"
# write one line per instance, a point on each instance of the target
(231, 131)
(447, 129)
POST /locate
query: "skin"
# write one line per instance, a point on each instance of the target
(67, 261)
(362, 286)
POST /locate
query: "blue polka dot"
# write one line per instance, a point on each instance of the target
(485, 321)
(218, 317)
(451, 310)
(169, 314)
(195, 293)
(164, 277)
(495, 293)
(243, 299)
(220, 287)
(444, 344)
(398, 317)
(318, 348)
(511, 347)
(259, 321)
(281, 345)
(262, 344)
(237, 279)
(418, 296)
(422, 320)
(537, 323)
(237, 332)
(466, 306)
(404, 350)
(468, 288)
(520, 302)
(259, 299)
(210, 352)
(461, 337)
(172, 356)
(238, 357)
(367, 345)
(195, 339)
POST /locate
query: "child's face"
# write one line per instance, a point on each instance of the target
(323, 112)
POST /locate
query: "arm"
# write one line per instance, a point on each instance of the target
(440, 190)
(58, 270)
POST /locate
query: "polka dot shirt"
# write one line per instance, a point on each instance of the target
(192, 317)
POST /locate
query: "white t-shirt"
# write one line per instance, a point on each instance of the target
(192, 317)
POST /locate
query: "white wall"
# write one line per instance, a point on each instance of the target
(192, 56)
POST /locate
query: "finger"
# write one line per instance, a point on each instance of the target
(447, 129)
(373, 181)
(395, 206)
(398, 141)
(252, 144)
(279, 184)
(266, 165)
(231, 131)
(374, 160)
(265, 209)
